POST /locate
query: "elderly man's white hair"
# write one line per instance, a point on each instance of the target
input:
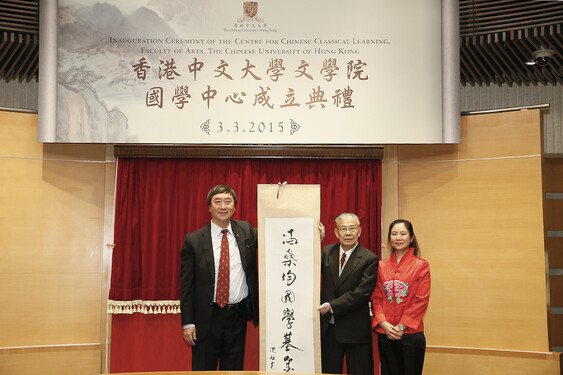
(347, 214)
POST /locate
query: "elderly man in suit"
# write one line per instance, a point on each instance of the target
(219, 285)
(349, 276)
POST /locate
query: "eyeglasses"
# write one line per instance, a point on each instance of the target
(351, 228)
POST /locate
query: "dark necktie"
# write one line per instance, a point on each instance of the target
(342, 261)
(222, 296)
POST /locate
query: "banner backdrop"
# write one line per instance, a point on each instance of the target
(236, 72)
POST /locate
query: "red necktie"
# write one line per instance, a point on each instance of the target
(342, 261)
(222, 296)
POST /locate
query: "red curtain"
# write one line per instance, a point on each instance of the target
(159, 200)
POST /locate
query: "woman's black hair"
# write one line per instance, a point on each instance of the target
(408, 225)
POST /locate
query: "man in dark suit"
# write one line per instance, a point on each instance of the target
(219, 285)
(349, 276)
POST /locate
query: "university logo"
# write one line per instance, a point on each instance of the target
(250, 10)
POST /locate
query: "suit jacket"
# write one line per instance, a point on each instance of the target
(197, 274)
(349, 293)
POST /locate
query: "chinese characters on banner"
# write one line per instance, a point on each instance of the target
(181, 96)
(290, 297)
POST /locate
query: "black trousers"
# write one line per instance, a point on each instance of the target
(402, 357)
(359, 357)
(224, 343)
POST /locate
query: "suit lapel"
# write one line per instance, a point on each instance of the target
(239, 236)
(333, 263)
(207, 247)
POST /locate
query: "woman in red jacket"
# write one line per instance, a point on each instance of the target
(399, 302)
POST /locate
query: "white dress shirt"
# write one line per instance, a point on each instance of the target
(238, 290)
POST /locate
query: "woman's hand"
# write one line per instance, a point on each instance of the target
(391, 331)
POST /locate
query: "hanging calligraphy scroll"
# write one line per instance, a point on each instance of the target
(289, 262)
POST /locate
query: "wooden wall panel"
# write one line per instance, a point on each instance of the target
(477, 209)
(18, 135)
(51, 363)
(553, 178)
(49, 309)
(509, 134)
(556, 290)
(553, 221)
(51, 250)
(554, 248)
(390, 192)
(45, 201)
(461, 364)
(477, 223)
(556, 328)
(18, 138)
(109, 221)
(554, 214)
